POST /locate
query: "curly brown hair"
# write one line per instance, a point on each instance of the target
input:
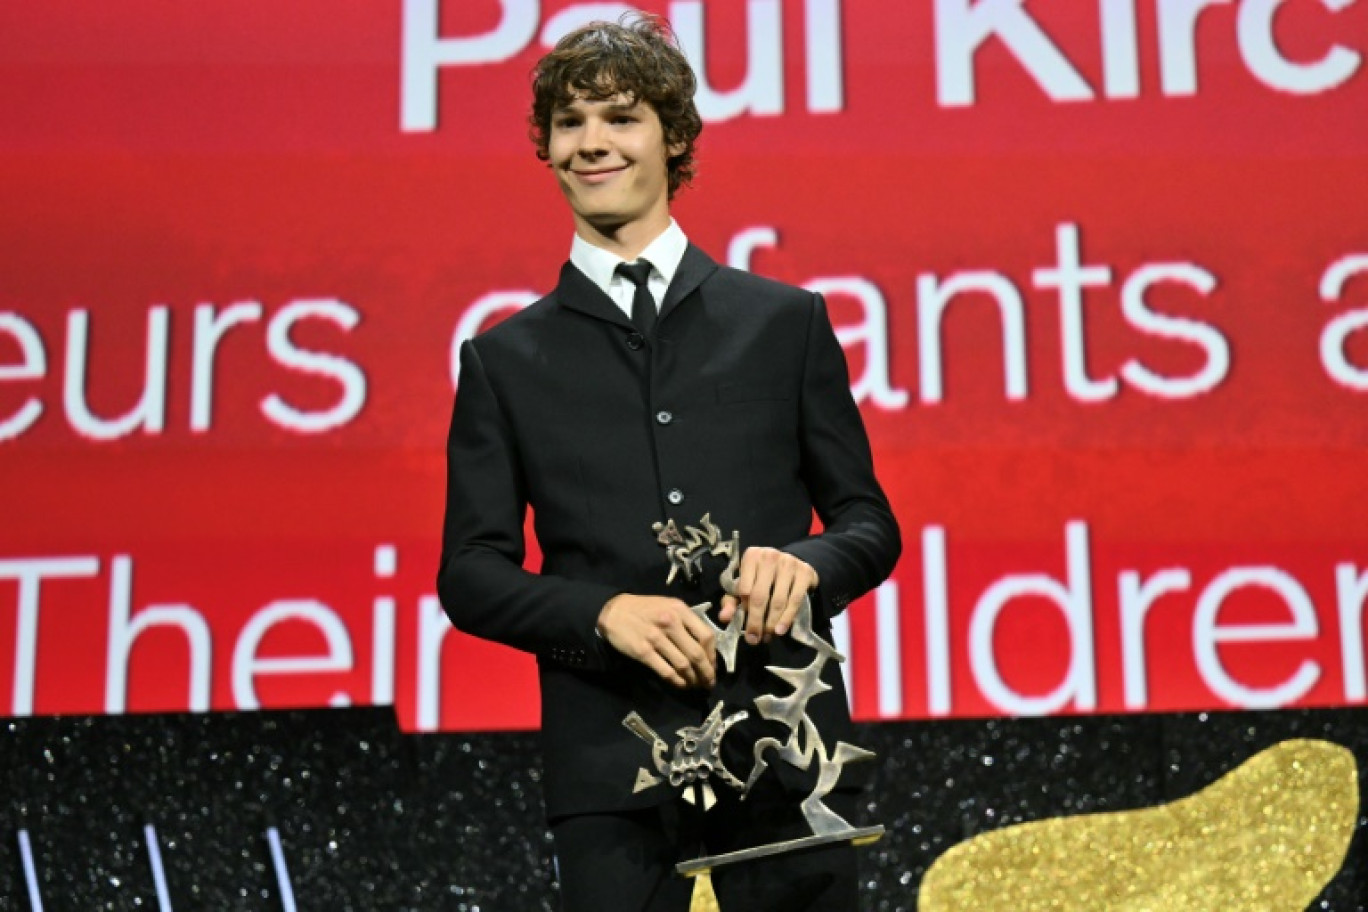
(638, 57)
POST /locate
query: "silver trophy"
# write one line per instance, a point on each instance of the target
(694, 762)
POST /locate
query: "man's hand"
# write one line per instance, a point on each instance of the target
(663, 634)
(772, 584)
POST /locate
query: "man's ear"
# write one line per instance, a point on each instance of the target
(674, 150)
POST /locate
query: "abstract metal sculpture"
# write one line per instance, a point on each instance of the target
(695, 758)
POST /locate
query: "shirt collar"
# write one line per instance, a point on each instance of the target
(599, 265)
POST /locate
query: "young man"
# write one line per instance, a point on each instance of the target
(630, 396)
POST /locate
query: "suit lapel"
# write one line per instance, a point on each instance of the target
(693, 269)
(577, 292)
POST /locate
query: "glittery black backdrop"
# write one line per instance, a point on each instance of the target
(336, 810)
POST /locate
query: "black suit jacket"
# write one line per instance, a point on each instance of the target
(739, 407)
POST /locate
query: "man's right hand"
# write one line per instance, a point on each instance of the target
(664, 635)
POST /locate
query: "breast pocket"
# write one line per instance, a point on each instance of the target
(759, 421)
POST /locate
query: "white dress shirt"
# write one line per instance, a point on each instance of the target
(600, 266)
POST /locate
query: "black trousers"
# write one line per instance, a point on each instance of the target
(624, 862)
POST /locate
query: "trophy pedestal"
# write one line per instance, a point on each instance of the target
(855, 836)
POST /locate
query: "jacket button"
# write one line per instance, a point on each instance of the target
(675, 496)
(635, 341)
(664, 417)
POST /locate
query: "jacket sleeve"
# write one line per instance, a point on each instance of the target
(859, 543)
(481, 581)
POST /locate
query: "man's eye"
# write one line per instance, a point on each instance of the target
(565, 123)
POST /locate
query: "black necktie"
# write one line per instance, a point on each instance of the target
(643, 305)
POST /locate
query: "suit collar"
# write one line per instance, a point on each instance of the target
(694, 268)
(577, 292)
(663, 253)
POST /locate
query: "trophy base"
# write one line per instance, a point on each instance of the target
(855, 836)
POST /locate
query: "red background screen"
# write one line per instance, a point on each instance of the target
(1101, 271)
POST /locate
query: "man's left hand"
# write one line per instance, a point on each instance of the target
(772, 584)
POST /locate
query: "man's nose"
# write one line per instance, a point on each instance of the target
(593, 139)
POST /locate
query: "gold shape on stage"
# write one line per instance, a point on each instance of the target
(1267, 836)
(703, 898)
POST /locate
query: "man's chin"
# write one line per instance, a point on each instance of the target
(605, 222)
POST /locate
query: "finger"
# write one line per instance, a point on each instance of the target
(791, 609)
(693, 637)
(766, 566)
(663, 668)
(699, 629)
(745, 580)
(755, 625)
(757, 606)
(705, 636)
(679, 661)
(728, 609)
(688, 657)
(780, 597)
(706, 641)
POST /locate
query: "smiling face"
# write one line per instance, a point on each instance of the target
(609, 156)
